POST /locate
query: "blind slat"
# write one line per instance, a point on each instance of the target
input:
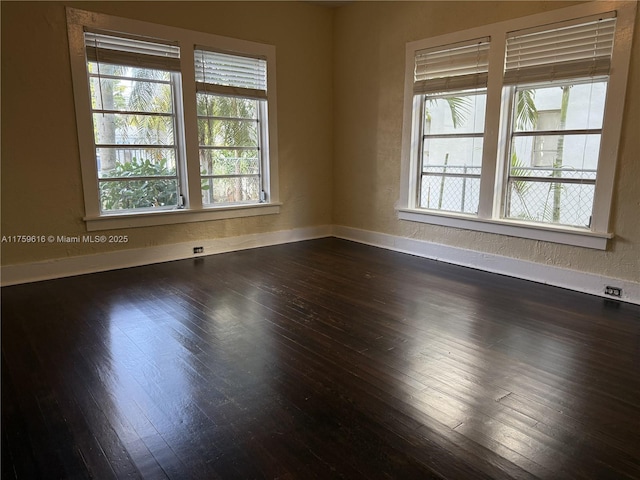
(567, 34)
(231, 91)
(442, 67)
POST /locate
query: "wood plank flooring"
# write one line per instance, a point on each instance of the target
(319, 359)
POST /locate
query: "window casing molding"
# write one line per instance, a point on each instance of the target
(79, 21)
(497, 135)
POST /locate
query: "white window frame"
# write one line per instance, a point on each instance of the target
(496, 135)
(187, 40)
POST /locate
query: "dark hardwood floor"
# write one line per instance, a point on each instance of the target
(320, 359)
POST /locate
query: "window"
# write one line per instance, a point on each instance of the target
(133, 85)
(511, 128)
(450, 85)
(173, 126)
(555, 141)
(231, 116)
(557, 80)
(452, 151)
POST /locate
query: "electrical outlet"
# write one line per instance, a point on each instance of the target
(613, 291)
(198, 250)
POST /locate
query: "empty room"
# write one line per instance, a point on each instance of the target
(320, 239)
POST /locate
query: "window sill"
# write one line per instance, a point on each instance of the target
(513, 228)
(169, 217)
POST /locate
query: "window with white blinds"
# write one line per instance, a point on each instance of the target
(155, 150)
(230, 74)
(513, 128)
(232, 127)
(452, 67)
(450, 83)
(560, 73)
(567, 50)
(133, 87)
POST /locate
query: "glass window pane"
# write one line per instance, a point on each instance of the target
(132, 162)
(465, 151)
(550, 202)
(560, 107)
(126, 71)
(126, 129)
(220, 106)
(225, 133)
(144, 99)
(229, 162)
(454, 113)
(230, 190)
(565, 152)
(131, 194)
(131, 95)
(452, 151)
(564, 158)
(454, 194)
(229, 122)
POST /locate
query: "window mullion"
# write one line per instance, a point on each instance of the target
(263, 153)
(491, 153)
(190, 115)
(178, 121)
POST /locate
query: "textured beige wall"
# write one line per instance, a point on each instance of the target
(340, 96)
(41, 183)
(369, 42)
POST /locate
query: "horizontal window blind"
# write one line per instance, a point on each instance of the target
(230, 74)
(131, 52)
(557, 52)
(453, 67)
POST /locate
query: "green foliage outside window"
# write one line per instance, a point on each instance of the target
(147, 193)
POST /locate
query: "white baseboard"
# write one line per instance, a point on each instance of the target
(537, 272)
(70, 266)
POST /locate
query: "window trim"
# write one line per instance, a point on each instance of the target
(170, 217)
(77, 22)
(496, 139)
